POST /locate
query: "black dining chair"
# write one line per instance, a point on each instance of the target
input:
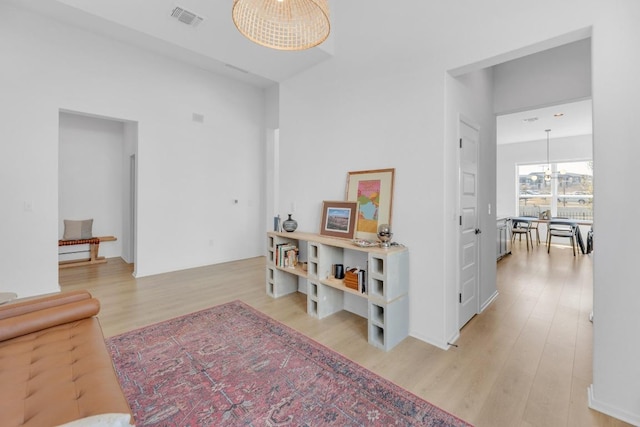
(562, 228)
(520, 226)
(534, 227)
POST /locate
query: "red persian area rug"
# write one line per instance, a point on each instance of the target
(231, 365)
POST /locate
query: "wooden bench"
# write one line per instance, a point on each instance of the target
(94, 245)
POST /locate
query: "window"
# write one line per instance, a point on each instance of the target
(567, 192)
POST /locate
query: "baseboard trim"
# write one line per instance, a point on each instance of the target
(452, 340)
(435, 343)
(596, 405)
(488, 302)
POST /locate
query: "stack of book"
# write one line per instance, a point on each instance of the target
(286, 255)
(354, 278)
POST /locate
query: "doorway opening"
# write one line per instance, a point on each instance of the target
(556, 72)
(97, 180)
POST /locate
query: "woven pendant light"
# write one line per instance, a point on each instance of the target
(283, 24)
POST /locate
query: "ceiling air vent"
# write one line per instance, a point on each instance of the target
(186, 17)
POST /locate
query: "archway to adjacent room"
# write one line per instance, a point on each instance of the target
(521, 95)
(97, 180)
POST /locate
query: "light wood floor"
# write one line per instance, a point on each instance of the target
(525, 361)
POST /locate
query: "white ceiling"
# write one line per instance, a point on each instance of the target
(531, 125)
(215, 44)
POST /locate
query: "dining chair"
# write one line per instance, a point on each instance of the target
(520, 226)
(534, 227)
(562, 228)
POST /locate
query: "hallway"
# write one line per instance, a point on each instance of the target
(539, 339)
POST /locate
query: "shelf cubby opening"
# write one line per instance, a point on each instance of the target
(314, 251)
(312, 269)
(270, 288)
(377, 336)
(313, 306)
(313, 290)
(377, 314)
(377, 287)
(378, 266)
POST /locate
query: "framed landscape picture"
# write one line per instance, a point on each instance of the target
(339, 219)
(373, 190)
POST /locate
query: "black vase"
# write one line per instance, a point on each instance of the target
(289, 224)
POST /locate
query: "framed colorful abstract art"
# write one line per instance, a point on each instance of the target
(373, 190)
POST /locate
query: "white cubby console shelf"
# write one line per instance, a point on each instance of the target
(384, 300)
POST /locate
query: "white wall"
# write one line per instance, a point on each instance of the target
(90, 178)
(128, 192)
(470, 98)
(549, 77)
(272, 157)
(272, 107)
(616, 67)
(355, 112)
(189, 173)
(575, 148)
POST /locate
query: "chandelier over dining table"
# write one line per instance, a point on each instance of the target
(548, 173)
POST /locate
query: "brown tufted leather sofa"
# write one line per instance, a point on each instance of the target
(54, 364)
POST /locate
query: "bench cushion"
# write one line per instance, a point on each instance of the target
(74, 230)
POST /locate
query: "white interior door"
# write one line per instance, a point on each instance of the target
(469, 233)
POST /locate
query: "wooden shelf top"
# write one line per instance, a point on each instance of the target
(297, 270)
(339, 284)
(334, 241)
